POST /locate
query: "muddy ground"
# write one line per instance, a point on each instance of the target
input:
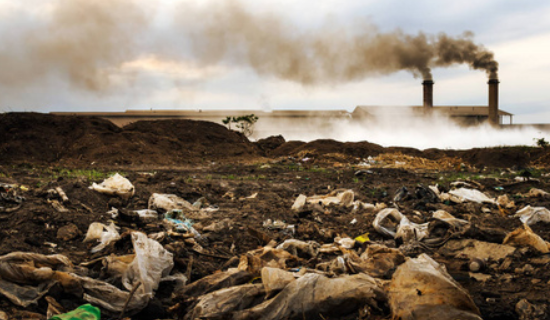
(251, 183)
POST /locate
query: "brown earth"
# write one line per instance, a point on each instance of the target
(195, 159)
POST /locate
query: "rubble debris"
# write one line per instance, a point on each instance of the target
(115, 185)
(422, 289)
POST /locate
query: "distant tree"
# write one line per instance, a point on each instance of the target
(541, 142)
(244, 123)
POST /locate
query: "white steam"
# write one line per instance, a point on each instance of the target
(404, 130)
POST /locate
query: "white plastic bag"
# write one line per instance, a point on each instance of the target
(168, 202)
(405, 229)
(115, 185)
(530, 215)
(151, 263)
(105, 234)
(472, 195)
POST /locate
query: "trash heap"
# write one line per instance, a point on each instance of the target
(405, 255)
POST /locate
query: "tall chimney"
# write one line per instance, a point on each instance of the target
(428, 94)
(493, 102)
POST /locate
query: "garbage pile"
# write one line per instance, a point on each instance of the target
(417, 253)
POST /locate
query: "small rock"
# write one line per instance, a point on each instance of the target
(3, 315)
(535, 281)
(68, 232)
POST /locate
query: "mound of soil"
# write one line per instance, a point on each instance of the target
(73, 140)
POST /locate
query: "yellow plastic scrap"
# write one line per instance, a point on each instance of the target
(363, 238)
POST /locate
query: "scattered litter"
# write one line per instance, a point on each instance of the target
(168, 202)
(84, 312)
(105, 234)
(147, 215)
(309, 249)
(400, 227)
(279, 225)
(314, 294)
(504, 202)
(422, 289)
(526, 237)
(58, 206)
(472, 249)
(531, 216)
(362, 238)
(343, 198)
(299, 203)
(115, 185)
(537, 193)
(472, 195)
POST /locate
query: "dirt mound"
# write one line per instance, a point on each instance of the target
(502, 157)
(72, 140)
(36, 137)
(269, 144)
(318, 148)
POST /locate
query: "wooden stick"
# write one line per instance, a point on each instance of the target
(136, 286)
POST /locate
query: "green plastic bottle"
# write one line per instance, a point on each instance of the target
(84, 312)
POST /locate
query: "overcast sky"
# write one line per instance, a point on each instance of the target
(143, 55)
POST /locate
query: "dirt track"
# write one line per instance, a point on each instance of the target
(196, 159)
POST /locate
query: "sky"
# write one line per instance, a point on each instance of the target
(114, 55)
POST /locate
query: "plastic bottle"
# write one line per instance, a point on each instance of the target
(84, 312)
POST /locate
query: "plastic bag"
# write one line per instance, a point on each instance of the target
(422, 289)
(315, 294)
(151, 263)
(526, 237)
(105, 234)
(405, 229)
(220, 304)
(472, 195)
(168, 202)
(299, 203)
(26, 277)
(115, 185)
(450, 219)
(530, 215)
(147, 215)
(275, 279)
(380, 221)
(310, 249)
(344, 198)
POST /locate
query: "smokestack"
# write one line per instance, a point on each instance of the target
(493, 102)
(428, 94)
